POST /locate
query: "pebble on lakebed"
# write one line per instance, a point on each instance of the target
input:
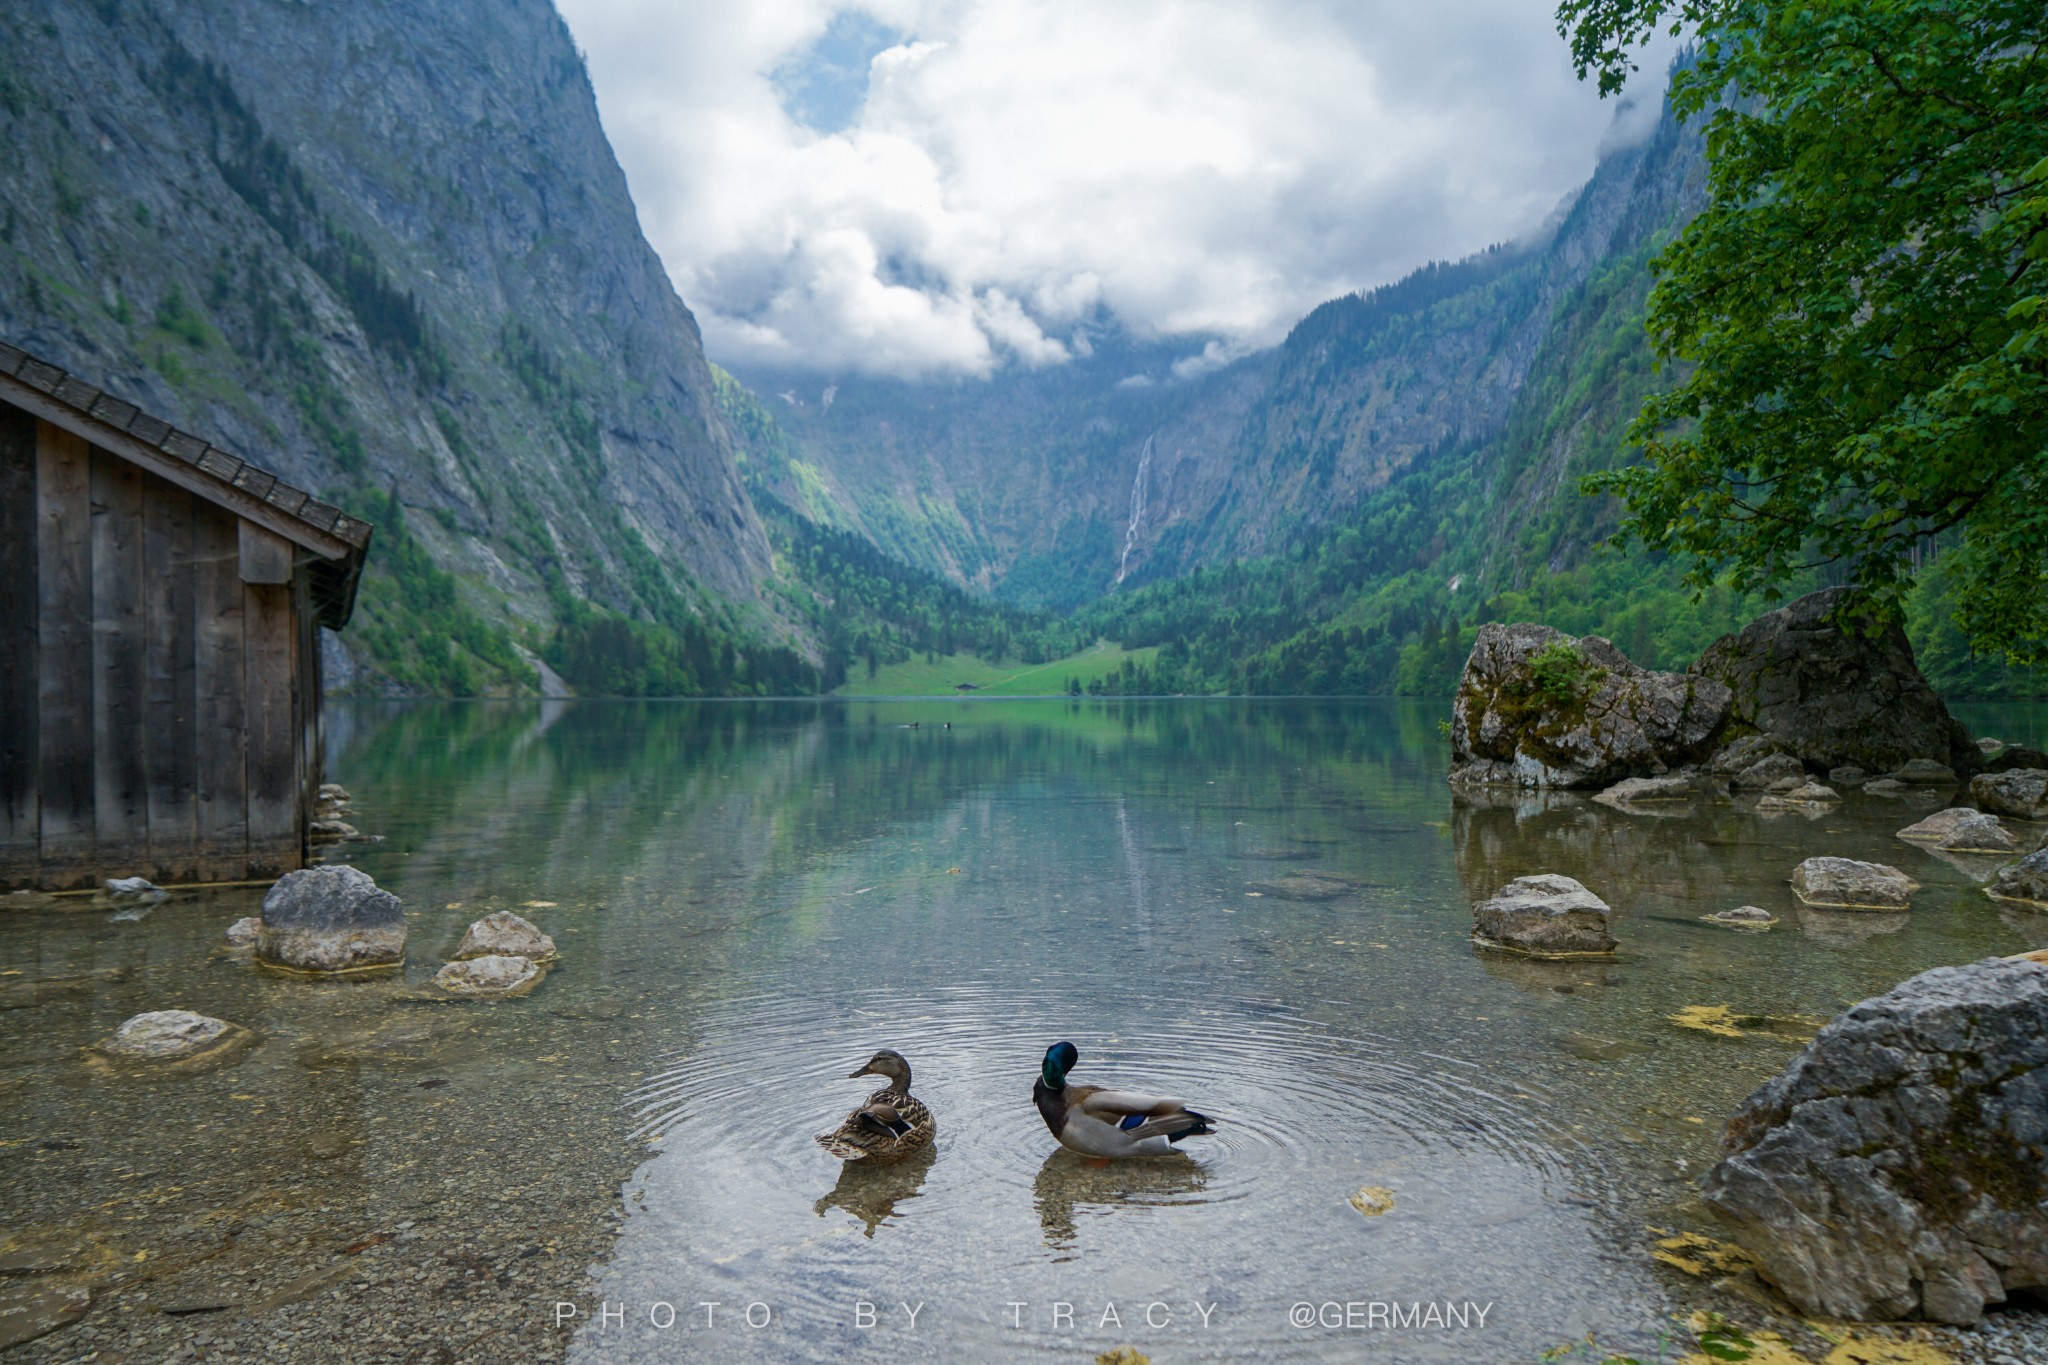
(180, 1039)
(497, 976)
(504, 934)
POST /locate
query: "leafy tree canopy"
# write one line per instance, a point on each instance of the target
(1857, 316)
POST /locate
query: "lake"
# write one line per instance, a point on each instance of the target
(1260, 906)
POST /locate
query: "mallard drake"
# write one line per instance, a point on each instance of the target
(1097, 1121)
(891, 1125)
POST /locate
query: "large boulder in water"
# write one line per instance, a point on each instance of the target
(1899, 1166)
(1831, 696)
(1538, 708)
(2021, 793)
(1544, 916)
(330, 919)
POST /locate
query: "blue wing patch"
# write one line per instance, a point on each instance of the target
(1130, 1121)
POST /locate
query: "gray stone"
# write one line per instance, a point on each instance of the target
(244, 932)
(331, 919)
(1847, 884)
(1773, 768)
(2021, 793)
(1804, 796)
(332, 831)
(1830, 696)
(1648, 789)
(1591, 723)
(1848, 775)
(1899, 1166)
(2025, 880)
(498, 974)
(165, 1035)
(503, 933)
(1961, 830)
(1925, 772)
(1741, 752)
(1885, 786)
(123, 888)
(1988, 746)
(2014, 756)
(1544, 916)
(1743, 917)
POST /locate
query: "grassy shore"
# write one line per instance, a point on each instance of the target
(914, 677)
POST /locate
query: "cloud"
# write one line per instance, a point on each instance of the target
(1015, 170)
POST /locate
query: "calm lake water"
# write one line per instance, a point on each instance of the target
(1259, 906)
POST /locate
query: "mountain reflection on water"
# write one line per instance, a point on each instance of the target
(1259, 906)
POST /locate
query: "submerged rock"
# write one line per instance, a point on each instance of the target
(1830, 696)
(1847, 884)
(2015, 756)
(1806, 795)
(1743, 917)
(1940, 827)
(1769, 771)
(1634, 789)
(1885, 786)
(2021, 793)
(1899, 1166)
(31, 1308)
(1848, 775)
(1537, 708)
(503, 933)
(331, 919)
(244, 932)
(2025, 880)
(498, 975)
(170, 1036)
(1925, 772)
(1305, 886)
(1544, 916)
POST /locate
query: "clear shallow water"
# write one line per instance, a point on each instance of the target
(751, 897)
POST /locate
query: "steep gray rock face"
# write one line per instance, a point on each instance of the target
(1899, 1166)
(1829, 696)
(372, 246)
(330, 919)
(1537, 708)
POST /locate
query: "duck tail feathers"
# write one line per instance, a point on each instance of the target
(1201, 1126)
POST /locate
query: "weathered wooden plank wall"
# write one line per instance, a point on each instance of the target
(170, 751)
(120, 801)
(20, 668)
(223, 750)
(64, 636)
(158, 673)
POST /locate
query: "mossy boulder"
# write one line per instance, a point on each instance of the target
(1898, 1168)
(1538, 708)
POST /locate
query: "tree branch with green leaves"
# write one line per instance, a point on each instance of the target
(1856, 319)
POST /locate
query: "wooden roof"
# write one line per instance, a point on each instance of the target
(337, 541)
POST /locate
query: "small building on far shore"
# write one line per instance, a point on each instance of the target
(159, 644)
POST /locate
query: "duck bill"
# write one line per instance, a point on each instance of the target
(864, 1071)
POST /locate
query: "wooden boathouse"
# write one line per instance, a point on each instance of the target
(159, 644)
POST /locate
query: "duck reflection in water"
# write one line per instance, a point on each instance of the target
(1069, 1184)
(871, 1190)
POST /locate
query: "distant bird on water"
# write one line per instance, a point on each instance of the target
(1097, 1121)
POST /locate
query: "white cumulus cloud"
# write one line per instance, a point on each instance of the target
(1009, 170)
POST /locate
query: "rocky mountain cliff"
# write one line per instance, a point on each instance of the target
(1060, 486)
(385, 250)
